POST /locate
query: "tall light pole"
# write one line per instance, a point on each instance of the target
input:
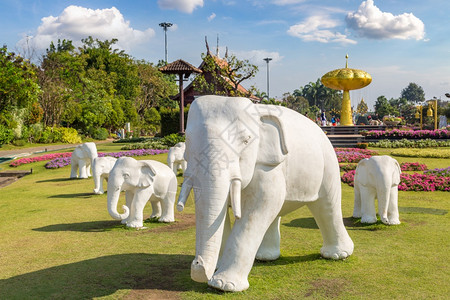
(267, 59)
(165, 25)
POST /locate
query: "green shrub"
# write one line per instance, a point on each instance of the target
(100, 134)
(69, 135)
(170, 120)
(405, 143)
(19, 143)
(172, 139)
(427, 153)
(153, 144)
(6, 135)
(131, 140)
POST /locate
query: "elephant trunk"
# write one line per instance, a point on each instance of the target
(96, 176)
(184, 193)
(383, 195)
(113, 199)
(210, 210)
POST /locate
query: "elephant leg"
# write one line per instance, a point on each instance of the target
(156, 208)
(357, 204)
(136, 219)
(270, 246)
(88, 169)
(260, 207)
(368, 213)
(184, 166)
(82, 167)
(167, 214)
(129, 195)
(74, 169)
(326, 210)
(393, 216)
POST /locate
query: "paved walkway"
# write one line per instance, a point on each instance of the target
(36, 150)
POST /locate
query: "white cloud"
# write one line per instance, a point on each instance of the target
(211, 17)
(256, 57)
(186, 6)
(369, 21)
(76, 23)
(317, 28)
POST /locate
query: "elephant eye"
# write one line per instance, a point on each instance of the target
(126, 175)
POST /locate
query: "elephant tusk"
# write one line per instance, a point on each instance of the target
(235, 196)
(184, 193)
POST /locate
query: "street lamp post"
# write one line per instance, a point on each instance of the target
(165, 25)
(267, 59)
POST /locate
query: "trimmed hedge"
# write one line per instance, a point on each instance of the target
(170, 120)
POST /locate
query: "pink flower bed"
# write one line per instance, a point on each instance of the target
(29, 160)
(411, 182)
(407, 166)
(353, 155)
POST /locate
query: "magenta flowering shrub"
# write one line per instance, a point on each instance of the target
(409, 134)
(62, 162)
(423, 182)
(407, 166)
(411, 182)
(29, 160)
(349, 177)
(353, 155)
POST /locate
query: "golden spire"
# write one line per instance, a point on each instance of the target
(346, 60)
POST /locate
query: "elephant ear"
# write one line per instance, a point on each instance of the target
(396, 174)
(272, 144)
(362, 172)
(147, 175)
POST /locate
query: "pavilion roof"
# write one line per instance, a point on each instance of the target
(179, 67)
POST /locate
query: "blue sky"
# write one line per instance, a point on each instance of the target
(396, 41)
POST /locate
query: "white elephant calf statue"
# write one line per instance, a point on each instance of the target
(142, 181)
(100, 171)
(265, 161)
(82, 159)
(175, 157)
(377, 176)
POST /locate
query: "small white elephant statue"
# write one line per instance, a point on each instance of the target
(175, 157)
(100, 171)
(264, 161)
(82, 159)
(377, 176)
(142, 181)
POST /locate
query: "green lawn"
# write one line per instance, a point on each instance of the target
(57, 241)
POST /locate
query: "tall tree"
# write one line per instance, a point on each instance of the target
(413, 93)
(18, 83)
(384, 108)
(320, 96)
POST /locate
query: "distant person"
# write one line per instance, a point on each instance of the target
(323, 118)
(333, 121)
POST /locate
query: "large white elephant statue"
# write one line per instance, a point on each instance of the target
(175, 157)
(265, 161)
(100, 171)
(377, 176)
(142, 181)
(82, 159)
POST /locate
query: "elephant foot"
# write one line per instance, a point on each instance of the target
(98, 192)
(368, 219)
(155, 216)
(124, 221)
(341, 251)
(83, 177)
(393, 221)
(357, 215)
(135, 224)
(223, 283)
(268, 254)
(166, 219)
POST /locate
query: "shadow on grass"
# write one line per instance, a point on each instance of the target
(308, 223)
(142, 273)
(76, 195)
(96, 226)
(55, 180)
(422, 210)
(287, 260)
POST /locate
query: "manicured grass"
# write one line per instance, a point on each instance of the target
(57, 241)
